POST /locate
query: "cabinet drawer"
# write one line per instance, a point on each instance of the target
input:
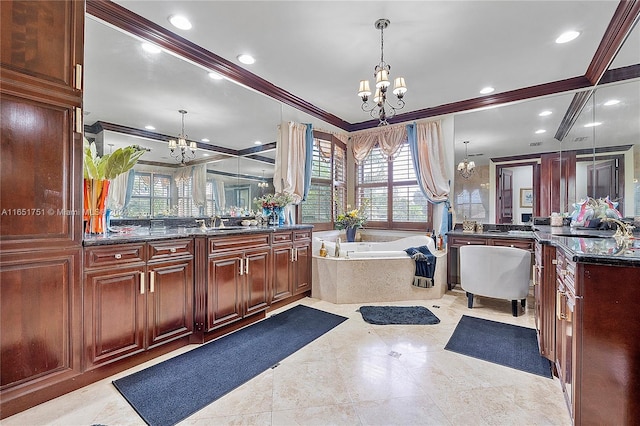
(463, 241)
(120, 254)
(281, 237)
(159, 250)
(238, 242)
(302, 235)
(521, 244)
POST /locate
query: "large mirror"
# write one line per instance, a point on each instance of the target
(128, 88)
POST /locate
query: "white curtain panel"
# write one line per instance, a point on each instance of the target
(290, 160)
(118, 191)
(431, 157)
(199, 185)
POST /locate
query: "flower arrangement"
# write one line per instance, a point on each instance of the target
(353, 218)
(280, 199)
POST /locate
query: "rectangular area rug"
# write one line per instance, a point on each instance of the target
(505, 344)
(167, 393)
(383, 315)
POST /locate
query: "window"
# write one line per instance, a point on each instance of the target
(151, 195)
(185, 199)
(210, 209)
(395, 199)
(469, 205)
(328, 193)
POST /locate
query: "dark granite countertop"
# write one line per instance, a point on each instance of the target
(143, 234)
(583, 245)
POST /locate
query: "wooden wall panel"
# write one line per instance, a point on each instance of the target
(40, 316)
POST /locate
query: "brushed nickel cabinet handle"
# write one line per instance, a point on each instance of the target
(141, 282)
(241, 266)
(246, 266)
(152, 281)
(117, 256)
(172, 250)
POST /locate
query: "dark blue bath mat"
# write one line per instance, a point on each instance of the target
(383, 315)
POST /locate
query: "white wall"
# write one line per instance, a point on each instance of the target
(522, 178)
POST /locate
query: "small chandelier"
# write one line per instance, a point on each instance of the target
(262, 183)
(180, 150)
(381, 108)
(466, 168)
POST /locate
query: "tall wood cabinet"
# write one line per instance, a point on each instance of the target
(40, 198)
(597, 350)
(291, 263)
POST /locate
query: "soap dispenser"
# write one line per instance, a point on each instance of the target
(323, 250)
(337, 251)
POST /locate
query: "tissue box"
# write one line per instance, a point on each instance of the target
(556, 220)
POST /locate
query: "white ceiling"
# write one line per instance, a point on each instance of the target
(319, 50)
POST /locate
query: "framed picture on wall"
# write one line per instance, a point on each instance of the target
(526, 197)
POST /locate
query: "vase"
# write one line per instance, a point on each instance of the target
(351, 233)
(279, 211)
(95, 203)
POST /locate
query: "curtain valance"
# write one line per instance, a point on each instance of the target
(388, 138)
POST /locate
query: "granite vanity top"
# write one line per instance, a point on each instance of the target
(142, 234)
(583, 244)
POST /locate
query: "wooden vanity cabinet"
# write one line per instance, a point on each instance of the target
(291, 263)
(597, 351)
(136, 297)
(238, 278)
(544, 288)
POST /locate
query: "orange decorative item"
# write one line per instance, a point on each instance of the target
(95, 205)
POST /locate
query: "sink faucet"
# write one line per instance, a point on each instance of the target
(213, 220)
(624, 231)
(203, 226)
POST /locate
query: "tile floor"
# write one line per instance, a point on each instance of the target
(357, 374)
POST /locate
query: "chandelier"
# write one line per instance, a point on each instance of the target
(262, 183)
(466, 168)
(381, 108)
(180, 150)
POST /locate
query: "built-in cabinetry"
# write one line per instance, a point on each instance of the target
(291, 263)
(456, 241)
(597, 349)
(40, 189)
(136, 297)
(544, 288)
(238, 278)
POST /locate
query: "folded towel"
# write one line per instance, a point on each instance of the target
(425, 265)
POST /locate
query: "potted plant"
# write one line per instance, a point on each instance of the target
(97, 173)
(351, 220)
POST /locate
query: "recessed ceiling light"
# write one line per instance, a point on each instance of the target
(149, 127)
(567, 37)
(594, 124)
(487, 90)
(215, 76)
(151, 48)
(545, 113)
(246, 59)
(611, 102)
(205, 155)
(180, 22)
(540, 131)
(257, 143)
(204, 140)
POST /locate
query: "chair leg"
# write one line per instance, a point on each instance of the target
(514, 308)
(469, 300)
(523, 302)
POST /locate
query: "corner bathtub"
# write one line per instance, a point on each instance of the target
(373, 272)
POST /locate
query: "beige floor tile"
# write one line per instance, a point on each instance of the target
(356, 374)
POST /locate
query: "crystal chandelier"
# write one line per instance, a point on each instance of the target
(466, 168)
(180, 150)
(381, 108)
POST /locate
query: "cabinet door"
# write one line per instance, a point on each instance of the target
(115, 307)
(170, 301)
(282, 272)
(224, 290)
(302, 267)
(257, 282)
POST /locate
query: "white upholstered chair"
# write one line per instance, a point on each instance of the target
(494, 271)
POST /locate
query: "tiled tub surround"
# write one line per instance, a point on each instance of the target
(373, 272)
